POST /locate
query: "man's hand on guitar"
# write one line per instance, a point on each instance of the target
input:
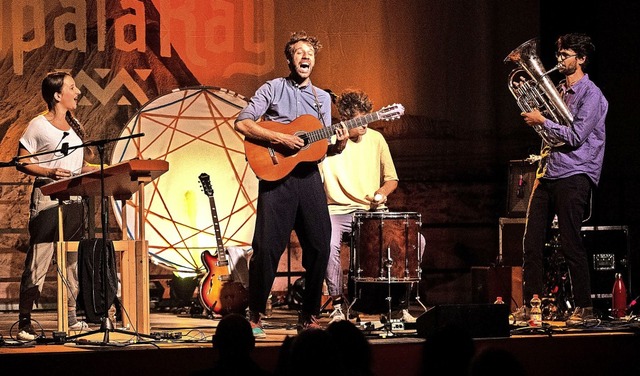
(291, 141)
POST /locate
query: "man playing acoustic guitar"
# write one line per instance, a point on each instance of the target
(297, 201)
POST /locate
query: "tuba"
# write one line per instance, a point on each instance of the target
(532, 88)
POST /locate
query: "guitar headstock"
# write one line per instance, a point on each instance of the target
(205, 184)
(391, 112)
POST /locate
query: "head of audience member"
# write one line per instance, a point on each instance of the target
(484, 363)
(352, 347)
(312, 351)
(233, 336)
(448, 352)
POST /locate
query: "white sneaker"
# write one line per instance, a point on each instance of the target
(79, 326)
(337, 314)
(25, 335)
(407, 317)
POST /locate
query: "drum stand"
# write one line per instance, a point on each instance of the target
(387, 324)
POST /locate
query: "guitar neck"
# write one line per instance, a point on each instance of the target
(216, 227)
(326, 132)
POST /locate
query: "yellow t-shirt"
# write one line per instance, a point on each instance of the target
(357, 172)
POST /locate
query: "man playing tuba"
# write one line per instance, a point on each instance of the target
(573, 168)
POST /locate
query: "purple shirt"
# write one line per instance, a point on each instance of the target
(282, 100)
(583, 151)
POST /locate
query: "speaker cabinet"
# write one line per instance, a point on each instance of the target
(489, 282)
(479, 320)
(522, 174)
(609, 253)
(510, 233)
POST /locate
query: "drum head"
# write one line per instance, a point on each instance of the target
(192, 129)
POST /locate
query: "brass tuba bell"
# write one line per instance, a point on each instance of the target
(532, 89)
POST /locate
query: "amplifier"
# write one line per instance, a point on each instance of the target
(609, 253)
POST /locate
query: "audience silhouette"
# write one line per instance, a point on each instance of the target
(353, 348)
(495, 361)
(448, 352)
(234, 341)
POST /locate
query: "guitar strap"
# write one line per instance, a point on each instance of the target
(315, 97)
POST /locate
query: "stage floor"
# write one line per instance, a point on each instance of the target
(184, 346)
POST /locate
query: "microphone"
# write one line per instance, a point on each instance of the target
(65, 149)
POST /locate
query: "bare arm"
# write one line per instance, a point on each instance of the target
(252, 129)
(51, 173)
(382, 193)
(37, 170)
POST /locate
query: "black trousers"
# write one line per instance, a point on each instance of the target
(296, 202)
(568, 198)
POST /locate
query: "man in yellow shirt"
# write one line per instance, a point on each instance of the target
(359, 177)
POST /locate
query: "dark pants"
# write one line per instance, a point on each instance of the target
(568, 198)
(297, 202)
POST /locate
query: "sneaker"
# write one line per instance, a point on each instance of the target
(256, 325)
(27, 333)
(256, 328)
(580, 316)
(79, 326)
(407, 317)
(307, 321)
(337, 314)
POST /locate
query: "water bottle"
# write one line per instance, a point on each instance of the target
(269, 308)
(536, 311)
(499, 300)
(619, 297)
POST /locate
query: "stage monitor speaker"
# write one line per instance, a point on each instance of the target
(522, 174)
(479, 320)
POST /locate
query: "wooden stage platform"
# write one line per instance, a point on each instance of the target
(602, 350)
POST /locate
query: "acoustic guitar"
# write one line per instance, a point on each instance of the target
(274, 162)
(218, 292)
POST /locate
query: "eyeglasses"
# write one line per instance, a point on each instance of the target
(562, 56)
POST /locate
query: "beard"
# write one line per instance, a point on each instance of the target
(569, 69)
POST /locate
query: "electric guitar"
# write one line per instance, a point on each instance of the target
(273, 162)
(218, 293)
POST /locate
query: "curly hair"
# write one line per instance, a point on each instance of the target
(578, 42)
(352, 102)
(301, 36)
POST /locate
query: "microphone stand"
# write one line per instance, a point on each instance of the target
(106, 325)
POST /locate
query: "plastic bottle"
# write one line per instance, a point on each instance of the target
(499, 300)
(536, 311)
(269, 308)
(619, 297)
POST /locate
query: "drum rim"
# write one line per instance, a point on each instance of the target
(367, 214)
